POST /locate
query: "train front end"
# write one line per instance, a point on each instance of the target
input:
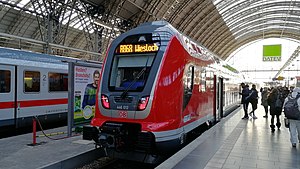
(122, 121)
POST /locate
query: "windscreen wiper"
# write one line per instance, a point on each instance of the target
(124, 93)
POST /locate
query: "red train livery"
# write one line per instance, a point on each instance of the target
(156, 86)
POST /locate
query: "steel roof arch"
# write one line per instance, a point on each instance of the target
(222, 26)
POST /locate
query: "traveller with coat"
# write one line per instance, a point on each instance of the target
(294, 124)
(253, 99)
(264, 101)
(245, 93)
(275, 101)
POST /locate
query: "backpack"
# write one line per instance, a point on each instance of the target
(291, 110)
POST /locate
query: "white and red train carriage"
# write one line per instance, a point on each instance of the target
(32, 84)
(156, 86)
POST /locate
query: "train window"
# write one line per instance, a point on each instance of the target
(31, 81)
(188, 83)
(5, 78)
(130, 70)
(189, 79)
(211, 86)
(197, 76)
(202, 87)
(58, 82)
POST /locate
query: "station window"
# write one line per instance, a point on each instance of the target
(58, 82)
(5, 78)
(32, 81)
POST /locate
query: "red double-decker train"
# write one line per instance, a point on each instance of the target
(157, 86)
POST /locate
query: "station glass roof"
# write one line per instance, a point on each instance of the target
(84, 28)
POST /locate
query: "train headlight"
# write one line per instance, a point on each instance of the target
(143, 103)
(105, 101)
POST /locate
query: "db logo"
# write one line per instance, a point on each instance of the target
(123, 114)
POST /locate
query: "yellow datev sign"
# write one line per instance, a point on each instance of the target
(138, 48)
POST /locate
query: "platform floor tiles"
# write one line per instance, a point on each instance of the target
(16, 152)
(239, 144)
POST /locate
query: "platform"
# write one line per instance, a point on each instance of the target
(234, 143)
(15, 153)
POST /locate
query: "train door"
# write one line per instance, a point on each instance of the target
(220, 97)
(217, 99)
(215, 103)
(7, 95)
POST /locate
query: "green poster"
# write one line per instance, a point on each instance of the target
(85, 87)
(272, 52)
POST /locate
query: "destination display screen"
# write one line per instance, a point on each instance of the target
(137, 48)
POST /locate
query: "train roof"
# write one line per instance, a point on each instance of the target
(32, 56)
(164, 26)
(27, 58)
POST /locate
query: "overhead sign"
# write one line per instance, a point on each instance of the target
(272, 52)
(137, 48)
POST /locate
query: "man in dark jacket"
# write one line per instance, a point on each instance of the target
(253, 99)
(275, 101)
(245, 92)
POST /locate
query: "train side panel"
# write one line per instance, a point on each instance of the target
(33, 84)
(167, 100)
(181, 99)
(28, 91)
(37, 98)
(7, 95)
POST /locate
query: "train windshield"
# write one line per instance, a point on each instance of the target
(132, 62)
(130, 72)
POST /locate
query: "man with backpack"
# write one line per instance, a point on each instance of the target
(292, 112)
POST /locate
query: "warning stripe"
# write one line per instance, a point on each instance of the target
(34, 103)
(6, 105)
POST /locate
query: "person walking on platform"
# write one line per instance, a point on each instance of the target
(292, 104)
(275, 101)
(245, 92)
(291, 89)
(264, 100)
(253, 99)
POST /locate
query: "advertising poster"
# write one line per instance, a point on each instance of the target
(86, 81)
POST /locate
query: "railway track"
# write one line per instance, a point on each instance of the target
(108, 163)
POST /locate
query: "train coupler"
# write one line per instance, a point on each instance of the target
(90, 133)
